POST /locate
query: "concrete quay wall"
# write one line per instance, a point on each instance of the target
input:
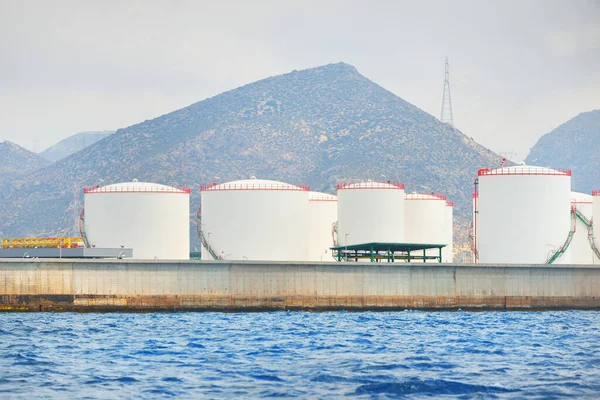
(121, 285)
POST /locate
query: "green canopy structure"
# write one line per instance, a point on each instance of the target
(389, 252)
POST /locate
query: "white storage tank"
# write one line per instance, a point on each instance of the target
(581, 251)
(370, 212)
(596, 225)
(152, 219)
(425, 220)
(322, 209)
(524, 215)
(448, 251)
(255, 219)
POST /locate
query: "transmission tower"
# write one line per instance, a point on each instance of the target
(446, 115)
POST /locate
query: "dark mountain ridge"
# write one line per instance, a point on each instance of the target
(574, 145)
(318, 126)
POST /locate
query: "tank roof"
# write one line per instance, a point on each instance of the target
(320, 196)
(424, 196)
(135, 187)
(523, 170)
(578, 197)
(253, 184)
(370, 185)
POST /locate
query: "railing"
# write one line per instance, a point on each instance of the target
(450, 203)
(595, 192)
(134, 189)
(323, 197)
(524, 171)
(254, 186)
(370, 185)
(424, 196)
(29, 243)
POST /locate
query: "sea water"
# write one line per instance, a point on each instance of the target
(300, 354)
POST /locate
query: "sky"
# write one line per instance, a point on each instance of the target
(518, 69)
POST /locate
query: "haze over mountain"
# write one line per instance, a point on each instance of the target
(318, 126)
(16, 161)
(73, 144)
(574, 145)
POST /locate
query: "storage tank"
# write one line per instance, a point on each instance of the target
(448, 251)
(152, 219)
(255, 219)
(425, 220)
(523, 215)
(322, 209)
(581, 251)
(370, 212)
(596, 225)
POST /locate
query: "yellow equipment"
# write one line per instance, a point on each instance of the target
(29, 243)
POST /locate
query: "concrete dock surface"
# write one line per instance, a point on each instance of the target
(158, 285)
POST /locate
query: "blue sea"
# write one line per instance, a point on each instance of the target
(297, 354)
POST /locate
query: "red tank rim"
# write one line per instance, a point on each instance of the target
(134, 189)
(218, 187)
(523, 171)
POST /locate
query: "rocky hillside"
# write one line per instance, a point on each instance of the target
(16, 161)
(73, 144)
(574, 145)
(318, 126)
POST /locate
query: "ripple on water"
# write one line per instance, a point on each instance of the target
(432, 387)
(305, 355)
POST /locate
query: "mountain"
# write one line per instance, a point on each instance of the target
(318, 126)
(73, 144)
(16, 161)
(574, 145)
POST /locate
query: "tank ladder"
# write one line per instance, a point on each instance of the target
(203, 240)
(81, 224)
(582, 218)
(591, 238)
(334, 237)
(562, 249)
(590, 231)
(334, 233)
(472, 244)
